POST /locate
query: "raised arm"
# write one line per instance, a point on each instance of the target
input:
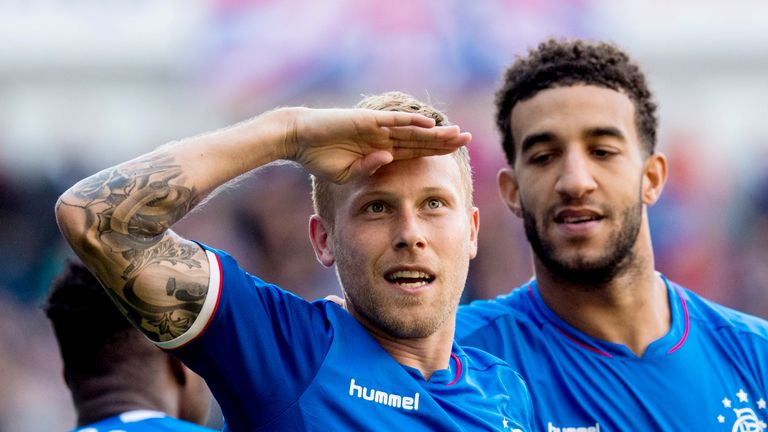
(118, 220)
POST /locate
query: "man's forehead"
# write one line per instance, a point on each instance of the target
(580, 107)
(419, 174)
(575, 99)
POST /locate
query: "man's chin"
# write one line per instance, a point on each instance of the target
(583, 271)
(409, 327)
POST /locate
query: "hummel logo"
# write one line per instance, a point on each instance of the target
(394, 400)
(552, 428)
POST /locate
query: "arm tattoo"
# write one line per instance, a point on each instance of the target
(129, 209)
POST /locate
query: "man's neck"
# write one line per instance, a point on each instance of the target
(631, 309)
(104, 397)
(427, 354)
(109, 405)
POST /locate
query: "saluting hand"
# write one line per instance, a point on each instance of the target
(339, 144)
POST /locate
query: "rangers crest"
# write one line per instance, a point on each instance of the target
(744, 418)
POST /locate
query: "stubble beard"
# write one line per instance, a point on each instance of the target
(582, 271)
(390, 312)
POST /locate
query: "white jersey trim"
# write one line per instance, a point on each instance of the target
(140, 415)
(209, 306)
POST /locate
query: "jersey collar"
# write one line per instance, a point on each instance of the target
(449, 376)
(666, 345)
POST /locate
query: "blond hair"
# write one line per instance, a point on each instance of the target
(322, 196)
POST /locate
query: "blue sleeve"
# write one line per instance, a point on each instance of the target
(260, 348)
(525, 397)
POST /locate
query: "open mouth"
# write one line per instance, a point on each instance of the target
(410, 278)
(577, 219)
(577, 216)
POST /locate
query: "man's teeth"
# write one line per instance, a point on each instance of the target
(410, 278)
(416, 284)
(409, 274)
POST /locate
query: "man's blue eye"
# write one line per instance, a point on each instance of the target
(376, 207)
(434, 203)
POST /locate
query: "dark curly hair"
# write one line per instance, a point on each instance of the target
(562, 63)
(94, 337)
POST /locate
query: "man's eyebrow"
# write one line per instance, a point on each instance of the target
(605, 131)
(533, 139)
(595, 132)
(370, 194)
(434, 190)
(382, 194)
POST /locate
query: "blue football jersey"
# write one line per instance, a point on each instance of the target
(142, 421)
(276, 362)
(709, 373)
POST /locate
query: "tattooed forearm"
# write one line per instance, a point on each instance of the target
(132, 205)
(166, 322)
(125, 214)
(167, 250)
(173, 270)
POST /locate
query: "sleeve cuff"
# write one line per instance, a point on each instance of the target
(208, 310)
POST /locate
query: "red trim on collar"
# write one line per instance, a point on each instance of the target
(687, 323)
(677, 346)
(458, 370)
(594, 350)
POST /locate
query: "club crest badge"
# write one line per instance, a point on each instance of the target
(740, 414)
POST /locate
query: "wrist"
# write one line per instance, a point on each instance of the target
(265, 138)
(288, 119)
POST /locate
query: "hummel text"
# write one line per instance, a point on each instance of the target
(394, 400)
(552, 428)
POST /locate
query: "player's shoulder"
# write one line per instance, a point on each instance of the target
(169, 424)
(513, 307)
(226, 269)
(718, 317)
(143, 421)
(480, 360)
(487, 367)
(176, 425)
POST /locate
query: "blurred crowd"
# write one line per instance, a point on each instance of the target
(710, 227)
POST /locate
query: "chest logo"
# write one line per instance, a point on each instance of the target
(592, 428)
(408, 403)
(744, 417)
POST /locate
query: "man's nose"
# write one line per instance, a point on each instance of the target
(410, 231)
(575, 179)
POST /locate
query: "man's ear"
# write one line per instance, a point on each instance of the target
(654, 177)
(508, 190)
(319, 235)
(474, 220)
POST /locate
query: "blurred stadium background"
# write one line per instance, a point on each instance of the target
(85, 84)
